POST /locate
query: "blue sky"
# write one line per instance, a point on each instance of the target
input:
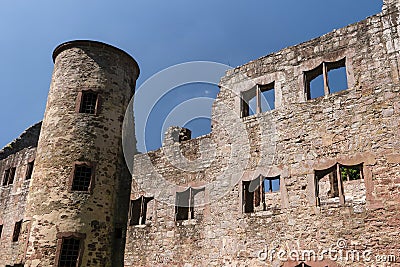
(157, 34)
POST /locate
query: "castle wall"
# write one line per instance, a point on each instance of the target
(12, 203)
(351, 127)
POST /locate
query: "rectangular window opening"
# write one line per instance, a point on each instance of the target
(184, 204)
(82, 178)
(1, 230)
(337, 76)
(248, 103)
(89, 102)
(271, 184)
(139, 210)
(69, 254)
(6, 176)
(17, 231)
(12, 175)
(314, 82)
(351, 173)
(29, 170)
(267, 97)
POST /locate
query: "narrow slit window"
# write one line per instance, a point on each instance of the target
(29, 170)
(12, 175)
(184, 203)
(17, 231)
(6, 176)
(89, 102)
(82, 178)
(69, 254)
(1, 230)
(139, 210)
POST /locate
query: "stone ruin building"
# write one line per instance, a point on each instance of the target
(316, 172)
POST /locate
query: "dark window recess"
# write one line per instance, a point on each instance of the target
(327, 78)
(12, 175)
(139, 210)
(248, 103)
(17, 231)
(184, 203)
(88, 102)
(5, 177)
(82, 178)
(69, 252)
(1, 230)
(118, 232)
(254, 192)
(29, 170)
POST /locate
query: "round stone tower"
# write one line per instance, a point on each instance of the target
(79, 196)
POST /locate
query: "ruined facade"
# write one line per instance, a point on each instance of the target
(319, 172)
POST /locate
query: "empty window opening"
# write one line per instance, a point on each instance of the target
(82, 178)
(69, 254)
(184, 204)
(139, 210)
(17, 231)
(258, 99)
(271, 184)
(1, 230)
(9, 175)
(89, 102)
(351, 173)
(256, 192)
(248, 103)
(267, 97)
(29, 170)
(5, 177)
(330, 183)
(329, 77)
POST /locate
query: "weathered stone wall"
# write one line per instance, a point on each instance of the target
(12, 203)
(68, 137)
(357, 126)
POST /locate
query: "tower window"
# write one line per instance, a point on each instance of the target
(17, 231)
(184, 204)
(83, 176)
(29, 170)
(89, 102)
(9, 176)
(69, 254)
(139, 210)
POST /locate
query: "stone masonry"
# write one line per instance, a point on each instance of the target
(312, 174)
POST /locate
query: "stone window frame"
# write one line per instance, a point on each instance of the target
(247, 95)
(78, 105)
(314, 63)
(66, 235)
(89, 164)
